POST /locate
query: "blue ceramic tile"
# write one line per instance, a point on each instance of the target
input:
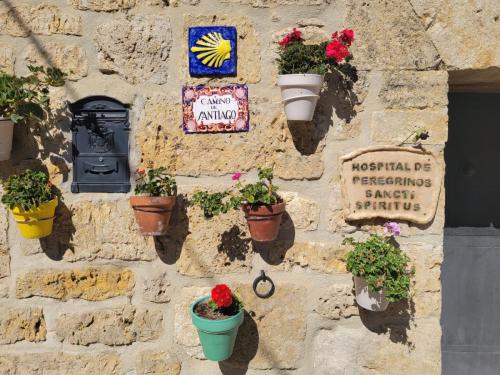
(212, 51)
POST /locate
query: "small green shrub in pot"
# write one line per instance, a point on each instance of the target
(381, 270)
(32, 199)
(24, 98)
(154, 201)
(262, 206)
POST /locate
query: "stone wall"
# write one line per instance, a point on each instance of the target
(97, 298)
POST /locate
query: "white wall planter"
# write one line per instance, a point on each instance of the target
(6, 134)
(300, 94)
(373, 301)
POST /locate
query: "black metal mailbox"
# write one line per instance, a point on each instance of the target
(100, 127)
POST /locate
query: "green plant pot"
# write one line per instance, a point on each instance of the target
(217, 337)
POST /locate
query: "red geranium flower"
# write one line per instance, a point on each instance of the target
(294, 36)
(236, 176)
(347, 36)
(336, 50)
(140, 171)
(222, 296)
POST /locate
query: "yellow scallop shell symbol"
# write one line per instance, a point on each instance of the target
(212, 49)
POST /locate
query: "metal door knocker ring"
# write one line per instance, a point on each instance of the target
(263, 278)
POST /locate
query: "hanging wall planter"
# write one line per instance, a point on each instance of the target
(154, 206)
(24, 98)
(263, 208)
(152, 214)
(32, 200)
(302, 68)
(37, 222)
(6, 135)
(380, 268)
(370, 300)
(264, 221)
(217, 319)
(300, 94)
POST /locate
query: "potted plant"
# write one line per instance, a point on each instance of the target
(302, 68)
(32, 199)
(380, 268)
(217, 318)
(24, 98)
(154, 200)
(262, 206)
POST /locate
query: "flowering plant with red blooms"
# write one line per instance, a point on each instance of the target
(338, 48)
(222, 298)
(297, 57)
(294, 36)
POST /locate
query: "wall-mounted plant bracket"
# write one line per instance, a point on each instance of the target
(263, 278)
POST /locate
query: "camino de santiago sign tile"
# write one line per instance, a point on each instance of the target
(391, 182)
(212, 51)
(210, 109)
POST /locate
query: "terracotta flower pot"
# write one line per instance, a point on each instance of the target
(6, 135)
(152, 214)
(264, 221)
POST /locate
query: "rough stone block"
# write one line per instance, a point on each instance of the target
(275, 3)
(106, 230)
(389, 35)
(337, 302)
(184, 330)
(317, 256)
(42, 19)
(103, 5)
(137, 48)
(98, 363)
(7, 60)
(21, 324)
(355, 349)
(393, 127)
(71, 59)
(270, 142)
(303, 212)
(157, 363)
(121, 326)
(4, 245)
(157, 288)
(92, 284)
(215, 246)
(409, 89)
(465, 33)
(273, 333)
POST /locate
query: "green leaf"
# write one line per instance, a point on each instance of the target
(16, 118)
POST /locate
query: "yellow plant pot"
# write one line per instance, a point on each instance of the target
(37, 222)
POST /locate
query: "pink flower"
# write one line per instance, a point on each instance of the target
(392, 228)
(236, 176)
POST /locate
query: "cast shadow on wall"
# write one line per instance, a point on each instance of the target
(235, 243)
(169, 247)
(396, 321)
(60, 241)
(245, 348)
(339, 96)
(274, 252)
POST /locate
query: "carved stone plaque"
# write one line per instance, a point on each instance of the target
(391, 182)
